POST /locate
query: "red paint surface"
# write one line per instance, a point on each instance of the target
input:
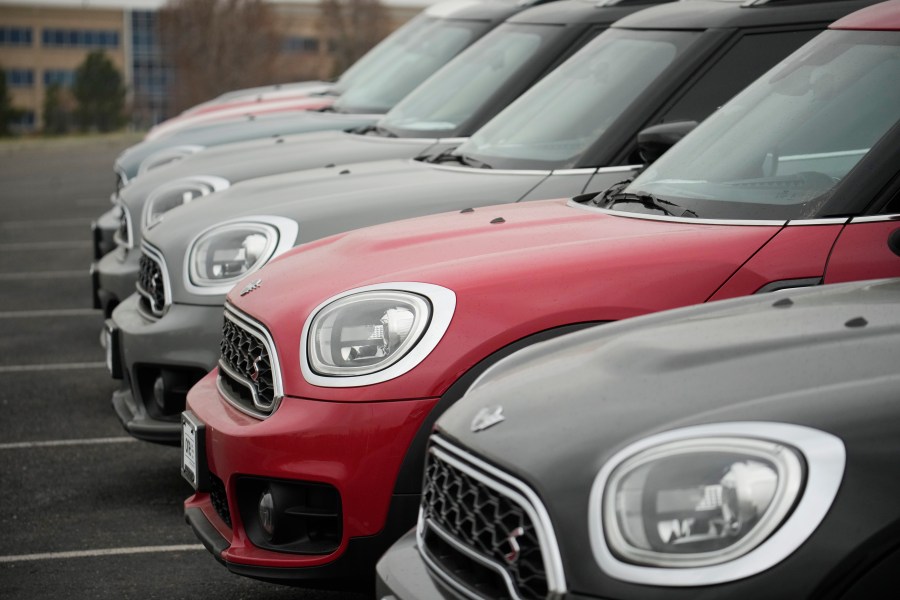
(880, 17)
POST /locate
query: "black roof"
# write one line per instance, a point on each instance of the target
(709, 14)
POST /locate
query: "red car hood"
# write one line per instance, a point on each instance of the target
(516, 270)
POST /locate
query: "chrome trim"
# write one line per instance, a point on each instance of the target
(789, 284)
(875, 218)
(589, 171)
(462, 548)
(287, 236)
(488, 171)
(517, 491)
(259, 331)
(156, 256)
(688, 220)
(452, 140)
(825, 458)
(807, 222)
(620, 169)
(443, 305)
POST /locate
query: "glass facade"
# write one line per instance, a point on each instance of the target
(20, 77)
(150, 74)
(60, 77)
(80, 38)
(15, 36)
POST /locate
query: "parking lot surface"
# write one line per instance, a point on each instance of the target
(86, 511)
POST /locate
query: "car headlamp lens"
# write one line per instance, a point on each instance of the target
(227, 253)
(178, 193)
(366, 332)
(699, 502)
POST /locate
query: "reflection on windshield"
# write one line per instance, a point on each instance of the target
(407, 64)
(779, 148)
(447, 99)
(553, 123)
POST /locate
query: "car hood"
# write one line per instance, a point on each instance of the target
(779, 357)
(240, 129)
(261, 158)
(516, 270)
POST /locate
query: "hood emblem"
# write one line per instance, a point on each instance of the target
(487, 417)
(254, 374)
(251, 286)
(512, 540)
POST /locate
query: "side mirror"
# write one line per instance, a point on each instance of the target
(656, 139)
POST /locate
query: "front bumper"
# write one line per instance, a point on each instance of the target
(355, 448)
(114, 277)
(160, 360)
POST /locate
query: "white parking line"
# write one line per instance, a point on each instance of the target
(44, 275)
(57, 312)
(101, 552)
(73, 442)
(22, 246)
(52, 367)
(74, 222)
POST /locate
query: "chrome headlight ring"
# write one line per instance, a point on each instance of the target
(420, 312)
(799, 467)
(265, 237)
(177, 193)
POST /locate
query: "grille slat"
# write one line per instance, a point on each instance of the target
(488, 524)
(151, 286)
(247, 374)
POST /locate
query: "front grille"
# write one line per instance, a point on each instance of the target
(478, 537)
(151, 285)
(219, 498)
(247, 367)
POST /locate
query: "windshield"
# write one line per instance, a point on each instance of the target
(777, 150)
(449, 97)
(554, 122)
(399, 69)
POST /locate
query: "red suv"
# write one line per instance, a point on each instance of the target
(306, 445)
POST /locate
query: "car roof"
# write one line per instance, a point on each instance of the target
(710, 14)
(881, 17)
(580, 11)
(479, 9)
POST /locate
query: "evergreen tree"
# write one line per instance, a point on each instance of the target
(100, 92)
(8, 113)
(57, 119)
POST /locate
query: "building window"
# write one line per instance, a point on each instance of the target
(24, 122)
(15, 36)
(60, 77)
(19, 77)
(80, 38)
(298, 43)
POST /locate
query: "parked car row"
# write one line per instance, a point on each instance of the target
(459, 372)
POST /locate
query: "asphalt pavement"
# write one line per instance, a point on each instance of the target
(85, 510)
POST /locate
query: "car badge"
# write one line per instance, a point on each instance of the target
(513, 541)
(254, 375)
(251, 286)
(487, 417)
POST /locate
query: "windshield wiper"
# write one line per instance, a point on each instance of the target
(374, 130)
(614, 195)
(467, 161)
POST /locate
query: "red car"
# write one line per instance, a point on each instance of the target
(306, 445)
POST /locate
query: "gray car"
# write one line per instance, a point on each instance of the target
(436, 116)
(573, 132)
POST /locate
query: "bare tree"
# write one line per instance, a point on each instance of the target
(215, 46)
(352, 27)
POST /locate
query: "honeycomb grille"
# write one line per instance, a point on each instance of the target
(248, 378)
(151, 286)
(219, 498)
(488, 524)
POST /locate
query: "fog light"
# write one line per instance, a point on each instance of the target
(266, 512)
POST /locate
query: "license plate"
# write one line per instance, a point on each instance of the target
(192, 463)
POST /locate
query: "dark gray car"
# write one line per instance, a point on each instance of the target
(572, 132)
(436, 116)
(734, 450)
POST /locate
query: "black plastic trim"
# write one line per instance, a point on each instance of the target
(206, 533)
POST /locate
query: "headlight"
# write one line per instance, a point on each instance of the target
(177, 193)
(712, 503)
(167, 156)
(223, 254)
(123, 235)
(372, 334)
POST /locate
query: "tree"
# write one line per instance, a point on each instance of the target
(352, 28)
(215, 46)
(100, 92)
(58, 109)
